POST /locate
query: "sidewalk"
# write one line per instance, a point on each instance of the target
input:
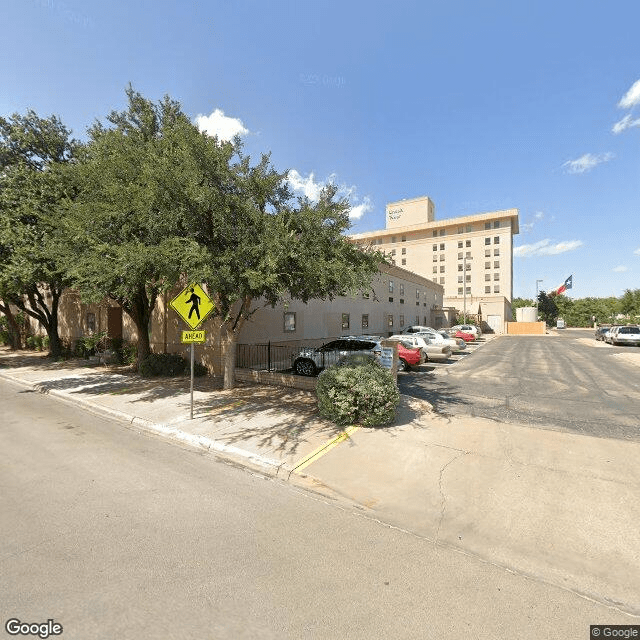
(559, 507)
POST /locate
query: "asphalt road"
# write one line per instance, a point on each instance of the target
(564, 383)
(118, 534)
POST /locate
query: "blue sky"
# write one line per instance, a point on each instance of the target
(479, 105)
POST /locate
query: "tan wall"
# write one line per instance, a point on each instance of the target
(526, 328)
(410, 212)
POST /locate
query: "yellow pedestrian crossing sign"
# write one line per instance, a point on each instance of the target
(193, 305)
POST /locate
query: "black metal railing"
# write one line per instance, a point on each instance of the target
(273, 356)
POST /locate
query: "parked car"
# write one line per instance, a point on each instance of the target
(409, 355)
(430, 350)
(416, 328)
(629, 334)
(606, 336)
(458, 343)
(600, 331)
(467, 328)
(309, 361)
(467, 337)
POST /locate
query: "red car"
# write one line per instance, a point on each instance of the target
(409, 357)
(467, 337)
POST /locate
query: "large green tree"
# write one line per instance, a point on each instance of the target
(547, 308)
(33, 184)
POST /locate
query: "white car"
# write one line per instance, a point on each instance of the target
(435, 337)
(430, 350)
(626, 335)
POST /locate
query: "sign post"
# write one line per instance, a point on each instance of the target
(193, 305)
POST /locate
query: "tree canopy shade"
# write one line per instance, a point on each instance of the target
(161, 201)
(33, 184)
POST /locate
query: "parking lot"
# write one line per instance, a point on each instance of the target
(566, 382)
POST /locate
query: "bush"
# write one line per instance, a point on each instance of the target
(366, 395)
(126, 352)
(169, 364)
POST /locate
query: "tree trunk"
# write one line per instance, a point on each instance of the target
(228, 347)
(14, 328)
(55, 345)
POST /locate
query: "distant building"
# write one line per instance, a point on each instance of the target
(470, 256)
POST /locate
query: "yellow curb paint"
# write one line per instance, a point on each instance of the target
(320, 451)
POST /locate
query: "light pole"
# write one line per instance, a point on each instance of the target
(537, 282)
(464, 288)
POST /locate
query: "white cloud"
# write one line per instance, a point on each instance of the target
(625, 123)
(224, 127)
(632, 97)
(620, 268)
(586, 162)
(311, 188)
(527, 226)
(545, 248)
(539, 215)
(637, 252)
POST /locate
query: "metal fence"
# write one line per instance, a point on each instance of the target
(272, 356)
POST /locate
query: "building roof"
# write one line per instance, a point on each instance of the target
(449, 222)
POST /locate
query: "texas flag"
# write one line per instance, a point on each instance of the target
(567, 284)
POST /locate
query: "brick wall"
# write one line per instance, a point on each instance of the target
(276, 379)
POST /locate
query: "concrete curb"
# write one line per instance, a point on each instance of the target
(166, 430)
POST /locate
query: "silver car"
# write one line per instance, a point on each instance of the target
(309, 361)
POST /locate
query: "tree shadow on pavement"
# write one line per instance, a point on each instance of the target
(444, 397)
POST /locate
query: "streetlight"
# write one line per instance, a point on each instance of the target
(537, 282)
(464, 287)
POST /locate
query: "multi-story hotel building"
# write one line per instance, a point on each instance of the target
(471, 257)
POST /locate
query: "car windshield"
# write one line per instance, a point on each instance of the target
(628, 330)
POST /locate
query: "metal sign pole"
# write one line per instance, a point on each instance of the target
(192, 349)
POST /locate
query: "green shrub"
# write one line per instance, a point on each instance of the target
(126, 352)
(169, 364)
(37, 343)
(366, 395)
(30, 342)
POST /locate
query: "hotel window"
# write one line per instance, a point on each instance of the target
(469, 228)
(390, 286)
(487, 276)
(468, 278)
(459, 244)
(442, 257)
(417, 298)
(460, 229)
(393, 238)
(365, 320)
(496, 252)
(401, 289)
(401, 320)
(496, 276)
(459, 255)
(487, 289)
(487, 225)
(487, 265)
(496, 240)
(404, 251)
(289, 321)
(496, 289)
(442, 246)
(459, 267)
(345, 320)
(468, 243)
(487, 253)
(441, 280)
(460, 279)
(404, 261)
(496, 224)
(390, 299)
(435, 258)
(417, 319)
(468, 267)
(393, 252)
(468, 289)
(487, 240)
(496, 264)
(435, 233)
(442, 267)
(441, 232)
(404, 238)
(435, 247)
(390, 320)
(460, 291)
(468, 254)
(435, 269)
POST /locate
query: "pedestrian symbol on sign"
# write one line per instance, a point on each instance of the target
(193, 305)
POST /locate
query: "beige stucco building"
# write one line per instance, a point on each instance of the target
(471, 257)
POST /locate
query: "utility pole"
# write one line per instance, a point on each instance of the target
(464, 288)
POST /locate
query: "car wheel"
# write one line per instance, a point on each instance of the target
(404, 365)
(305, 368)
